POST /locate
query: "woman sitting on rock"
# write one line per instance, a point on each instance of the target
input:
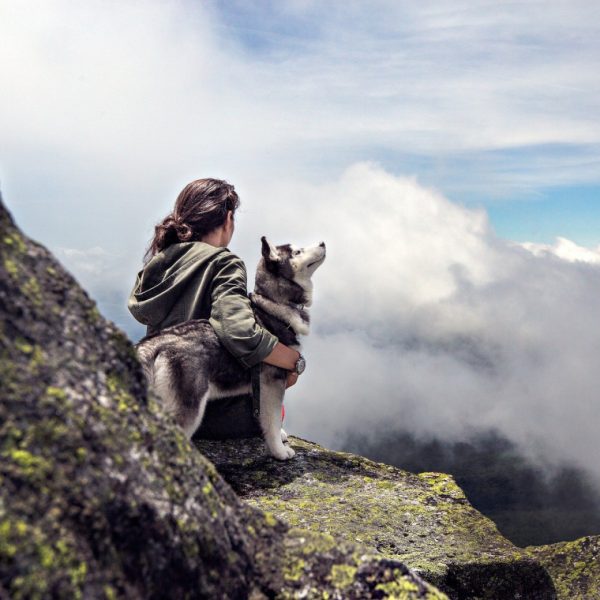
(190, 273)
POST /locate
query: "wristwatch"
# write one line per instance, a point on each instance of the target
(300, 365)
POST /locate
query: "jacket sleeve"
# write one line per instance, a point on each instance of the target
(231, 313)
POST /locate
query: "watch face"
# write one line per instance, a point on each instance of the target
(300, 365)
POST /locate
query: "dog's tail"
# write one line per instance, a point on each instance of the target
(163, 380)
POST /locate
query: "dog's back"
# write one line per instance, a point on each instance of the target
(185, 365)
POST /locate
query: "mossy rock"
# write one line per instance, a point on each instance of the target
(573, 566)
(101, 495)
(424, 521)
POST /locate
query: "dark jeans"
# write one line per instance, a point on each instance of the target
(228, 418)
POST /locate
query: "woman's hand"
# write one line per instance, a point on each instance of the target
(292, 377)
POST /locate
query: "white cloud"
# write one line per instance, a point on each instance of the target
(566, 250)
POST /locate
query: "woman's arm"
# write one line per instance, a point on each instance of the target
(231, 313)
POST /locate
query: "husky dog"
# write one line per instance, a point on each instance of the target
(187, 366)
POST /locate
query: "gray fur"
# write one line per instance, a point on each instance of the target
(187, 366)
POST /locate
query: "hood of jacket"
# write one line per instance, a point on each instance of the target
(164, 279)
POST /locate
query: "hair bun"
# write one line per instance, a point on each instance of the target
(169, 223)
(184, 231)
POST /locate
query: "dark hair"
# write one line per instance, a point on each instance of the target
(200, 208)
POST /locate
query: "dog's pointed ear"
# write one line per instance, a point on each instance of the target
(269, 252)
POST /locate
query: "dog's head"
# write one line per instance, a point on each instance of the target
(292, 263)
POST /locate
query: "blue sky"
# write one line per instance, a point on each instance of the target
(571, 211)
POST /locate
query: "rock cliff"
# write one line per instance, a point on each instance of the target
(103, 497)
(422, 520)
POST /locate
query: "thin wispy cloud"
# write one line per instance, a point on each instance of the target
(185, 86)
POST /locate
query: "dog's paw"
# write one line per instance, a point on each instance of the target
(283, 453)
(284, 436)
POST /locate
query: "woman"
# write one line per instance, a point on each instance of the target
(189, 273)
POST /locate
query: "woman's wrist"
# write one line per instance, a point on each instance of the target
(284, 357)
(300, 365)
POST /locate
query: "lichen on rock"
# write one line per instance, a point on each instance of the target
(574, 567)
(423, 521)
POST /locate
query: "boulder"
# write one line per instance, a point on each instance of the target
(424, 521)
(102, 496)
(574, 567)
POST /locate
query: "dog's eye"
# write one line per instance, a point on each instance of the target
(296, 252)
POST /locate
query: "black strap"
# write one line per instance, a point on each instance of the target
(255, 377)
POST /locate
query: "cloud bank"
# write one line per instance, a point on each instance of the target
(425, 321)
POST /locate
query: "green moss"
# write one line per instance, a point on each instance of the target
(35, 353)
(402, 588)
(109, 592)
(11, 268)
(29, 464)
(22, 346)
(5, 527)
(37, 358)
(21, 527)
(574, 567)
(342, 576)
(46, 561)
(443, 484)
(46, 555)
(11, 435)
(294, 570)
(423, 520)
(15, 242)
(31, 288)
(7, 548)
(55, 392)
(385, 485)
(270, 520)
(119, 392)
(78, 574)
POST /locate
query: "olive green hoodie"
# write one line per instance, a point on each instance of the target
(194, 280)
